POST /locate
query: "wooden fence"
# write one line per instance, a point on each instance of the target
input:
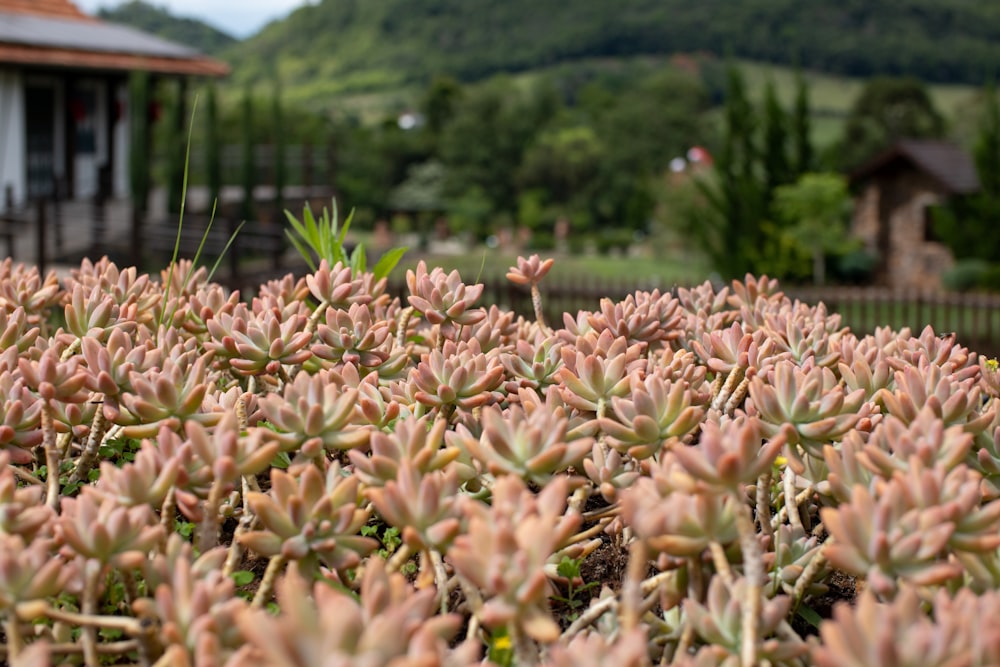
(973, 317)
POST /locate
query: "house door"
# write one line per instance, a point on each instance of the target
(40, 120)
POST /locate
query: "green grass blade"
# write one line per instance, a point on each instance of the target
(180, 220)
(306, 255)
(358, 260)
(225, 248)
(387, 262)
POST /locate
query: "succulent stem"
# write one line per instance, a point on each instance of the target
(721, 563)
(89, 456)
(167, 513)
(247, 522)
(208, 535)
(536, 303)
(15, 641)
(440, 579)
(809, 574)
(92, 574)
(753, 572)
(73, 348)
(267, 583)
(402, 325)
(27, 611)
(399, 558)
(525, 651)
(52, 459)
(763, 500)
(791, 502)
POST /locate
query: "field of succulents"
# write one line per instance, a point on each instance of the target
(322, 474)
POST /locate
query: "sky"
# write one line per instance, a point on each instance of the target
(239, 18)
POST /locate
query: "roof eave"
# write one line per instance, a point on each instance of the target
(79, 59)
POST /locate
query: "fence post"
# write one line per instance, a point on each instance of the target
(40, 235)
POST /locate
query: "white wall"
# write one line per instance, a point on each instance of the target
(12, 136)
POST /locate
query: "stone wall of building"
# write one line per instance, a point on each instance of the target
(912, 261)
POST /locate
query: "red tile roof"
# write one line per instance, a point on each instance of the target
(63, 9)
(57, 34)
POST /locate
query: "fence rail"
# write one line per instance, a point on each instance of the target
(973, 317)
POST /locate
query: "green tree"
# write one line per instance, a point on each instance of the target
(968, 225)
(278, 142)
(248, 169)
(802, 146)
(485, 141)
(728, 229)
(887, 110)
(776, 162)
(816, 206)
(213, 160)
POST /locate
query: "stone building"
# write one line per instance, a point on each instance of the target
(897, 191)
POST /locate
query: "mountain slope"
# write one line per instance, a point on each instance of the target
(340, 46)
(158, 21)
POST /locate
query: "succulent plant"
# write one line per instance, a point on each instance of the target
(505, 549)
(457, 375)
(591, 380)
(421, 504)
(391, 624)
(32, 570)
(102, 530)
(890, 538)
(731, 454)
(530, 444)
(718, 622)
(534, 366)
(313, 415)
(901, 633)
(811, 400)
(443, 298)
(15, 331)
(677, 522)
(610, 472)
(194, 604)
(658, 412)
(337, 286)
(651, 318)
(351, 336)
(22, 512)
(953, 400)
(418, 442)
(172, 395)
(24, 286)
(313, 520)
(21, 412)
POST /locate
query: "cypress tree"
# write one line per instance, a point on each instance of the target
(249, 170)
(213, 162)
(802, 146)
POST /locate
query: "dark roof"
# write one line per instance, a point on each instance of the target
(97, 36)
(56, 33)
(943, 161)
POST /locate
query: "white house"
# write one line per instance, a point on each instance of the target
(64, 116)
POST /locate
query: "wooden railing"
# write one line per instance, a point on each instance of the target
(973, 317)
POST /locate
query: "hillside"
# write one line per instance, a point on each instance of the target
(352, 46)
(158, 21)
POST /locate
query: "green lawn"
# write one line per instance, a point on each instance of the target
(665, 271)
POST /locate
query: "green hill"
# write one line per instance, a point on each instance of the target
(355, 46)
(158, 21)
